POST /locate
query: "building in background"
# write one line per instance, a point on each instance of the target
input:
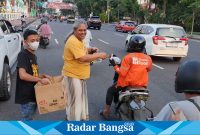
(12, 6)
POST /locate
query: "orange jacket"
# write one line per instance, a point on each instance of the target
(134, 70)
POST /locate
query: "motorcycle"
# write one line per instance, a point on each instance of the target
(132, 102)
(44, 42)
(132, 105)
(23, 24)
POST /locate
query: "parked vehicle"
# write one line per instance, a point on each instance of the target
(94, 22)
(10, 46)
(162, 40)
(70, 19)
(125, 26)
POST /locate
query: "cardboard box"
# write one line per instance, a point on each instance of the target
(51, 97)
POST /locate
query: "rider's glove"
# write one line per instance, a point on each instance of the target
(112, 62)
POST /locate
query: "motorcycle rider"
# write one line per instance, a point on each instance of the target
(23, 21)
(187, 82)
(44, 32)
(133, 72)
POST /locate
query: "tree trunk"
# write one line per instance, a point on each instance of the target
(164, 8)
(193, 18)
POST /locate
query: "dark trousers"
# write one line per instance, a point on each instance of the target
(112, 94)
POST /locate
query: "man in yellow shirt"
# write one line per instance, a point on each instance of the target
(76, 70)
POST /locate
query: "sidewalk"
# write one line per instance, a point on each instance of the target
(18, 21)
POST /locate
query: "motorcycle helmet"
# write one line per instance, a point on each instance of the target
(188, 77)
(136, 44)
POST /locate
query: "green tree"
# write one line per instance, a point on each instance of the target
(193, 7)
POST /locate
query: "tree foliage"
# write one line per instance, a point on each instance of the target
(179, 12)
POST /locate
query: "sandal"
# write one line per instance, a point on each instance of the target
(103, 116)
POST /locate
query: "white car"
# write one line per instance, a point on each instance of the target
(10, 46)
(162, 40)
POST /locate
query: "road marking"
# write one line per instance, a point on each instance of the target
(103, 30)
(103, 41)
(56, 41)
(119, 35)
(158, 66)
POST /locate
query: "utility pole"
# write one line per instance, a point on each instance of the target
(108, 10)
(36, 11)
(29, 6)
(118, 9)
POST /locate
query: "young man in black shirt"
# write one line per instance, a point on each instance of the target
(28, 75)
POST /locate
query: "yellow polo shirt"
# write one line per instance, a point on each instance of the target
(73, 50)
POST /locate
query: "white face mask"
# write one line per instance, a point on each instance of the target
(34, 46)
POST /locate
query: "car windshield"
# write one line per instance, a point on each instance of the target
(71, 17)
(171, 32)
(129, 23)
(95, 18)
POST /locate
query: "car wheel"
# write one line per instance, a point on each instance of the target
(99, 28)
(5, 83)
(176, 58)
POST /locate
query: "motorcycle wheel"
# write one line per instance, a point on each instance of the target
(124, 112)
(118, 115)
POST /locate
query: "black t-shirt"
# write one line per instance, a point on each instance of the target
(24, 89)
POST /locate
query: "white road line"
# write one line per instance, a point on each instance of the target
(119, 35)
(103, 30)
(56, 41)
(103, 41)
(158, 66)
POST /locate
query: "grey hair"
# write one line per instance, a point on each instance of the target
(75, 27)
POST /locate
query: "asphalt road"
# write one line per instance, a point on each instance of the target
(161, 78)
